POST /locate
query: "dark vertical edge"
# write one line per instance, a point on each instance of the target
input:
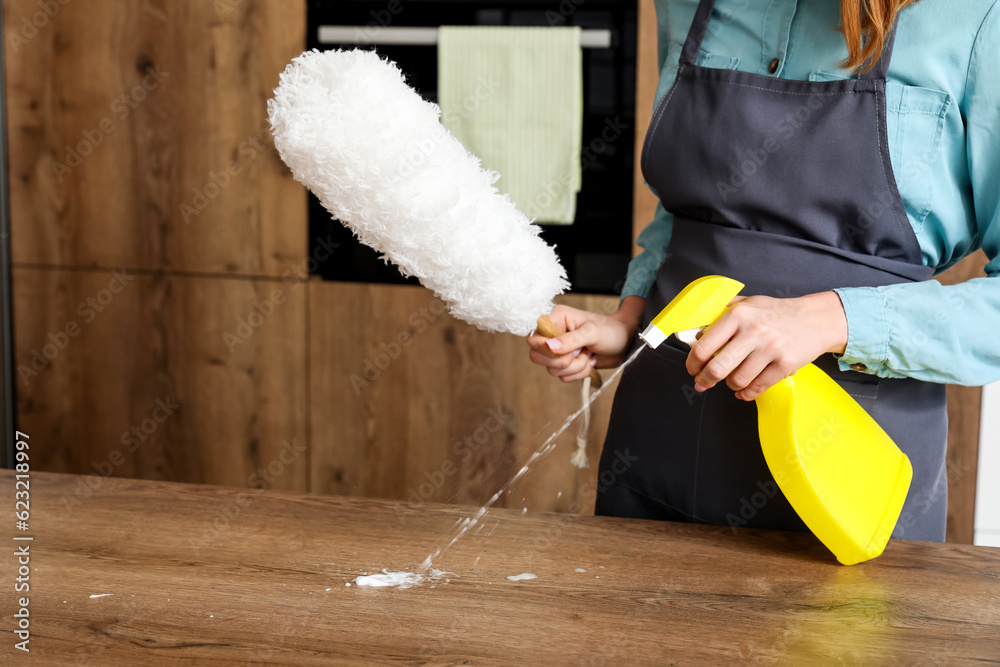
(7, 418)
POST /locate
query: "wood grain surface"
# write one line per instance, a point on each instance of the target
(200, 575)
(138, 135)
(408, 403)
(174, 182)
(169, 377)
(647, 78)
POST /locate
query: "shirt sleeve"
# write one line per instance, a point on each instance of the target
(653, 240)
(927, 330)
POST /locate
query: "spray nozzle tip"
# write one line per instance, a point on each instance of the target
(653, 336)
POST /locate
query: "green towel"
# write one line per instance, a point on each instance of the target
(514, 97)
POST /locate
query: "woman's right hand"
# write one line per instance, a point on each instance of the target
(590, 339)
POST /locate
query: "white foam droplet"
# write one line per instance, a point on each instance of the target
(522, 577)
(101, 595)
(579, 569)
(399, 579)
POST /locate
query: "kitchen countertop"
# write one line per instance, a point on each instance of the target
(209, 575)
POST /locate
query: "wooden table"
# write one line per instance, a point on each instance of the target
(208, 575)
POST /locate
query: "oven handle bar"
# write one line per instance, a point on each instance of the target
(422, 36)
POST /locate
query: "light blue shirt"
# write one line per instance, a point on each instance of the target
(943, 99)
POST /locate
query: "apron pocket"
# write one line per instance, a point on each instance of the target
(864, 392)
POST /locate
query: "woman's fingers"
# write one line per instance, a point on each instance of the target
(579, 369)
(770, 376)
(712, 340)
(558, 362)
(567, 343)
(536, 342)
(587, 336)
(724, 363)
(576, 339)
(565, 365)
(748, 371)
(760, 340)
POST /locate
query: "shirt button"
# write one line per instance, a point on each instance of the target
(861, 368)
(773, 66)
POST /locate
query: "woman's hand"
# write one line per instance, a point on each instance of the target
(759, 341)
(590, 339)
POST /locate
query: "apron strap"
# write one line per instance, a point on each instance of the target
(881, 68)
(692, 45)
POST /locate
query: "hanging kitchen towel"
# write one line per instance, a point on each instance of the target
(514, 97)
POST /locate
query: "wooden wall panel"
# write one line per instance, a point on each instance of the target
(138, 136)
(964, 412)
(408, 403)
(647, 78)
(93, 364)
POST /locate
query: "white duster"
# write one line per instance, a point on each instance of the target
(375, 153)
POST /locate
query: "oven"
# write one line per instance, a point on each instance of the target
(597, 246)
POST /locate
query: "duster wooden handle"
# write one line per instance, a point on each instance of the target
(548, 329)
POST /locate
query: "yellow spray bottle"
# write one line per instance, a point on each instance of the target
(839, 470)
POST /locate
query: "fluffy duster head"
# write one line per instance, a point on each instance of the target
(377, 156)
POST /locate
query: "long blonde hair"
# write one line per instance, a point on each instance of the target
(865, 24)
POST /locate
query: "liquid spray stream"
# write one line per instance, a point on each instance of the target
(550, 444)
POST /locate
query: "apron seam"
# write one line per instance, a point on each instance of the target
(880, 122)
(787, 92)
(697, 458)
(644, 158)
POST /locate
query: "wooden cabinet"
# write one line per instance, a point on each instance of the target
(138, 137)
(139, 149)
(154, 376)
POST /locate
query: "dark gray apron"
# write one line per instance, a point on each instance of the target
(787, 187)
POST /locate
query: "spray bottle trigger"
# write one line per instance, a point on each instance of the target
(689, 336)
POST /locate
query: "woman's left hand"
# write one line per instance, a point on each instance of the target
(759, 341)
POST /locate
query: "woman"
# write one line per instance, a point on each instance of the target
(832, 172)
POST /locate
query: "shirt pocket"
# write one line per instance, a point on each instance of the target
(915, 122)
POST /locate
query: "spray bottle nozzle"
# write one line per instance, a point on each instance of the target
(653, 336)
(698, 305)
